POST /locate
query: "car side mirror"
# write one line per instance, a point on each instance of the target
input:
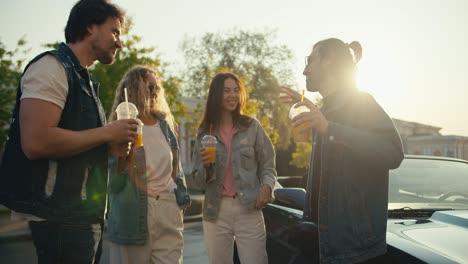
(290, 197)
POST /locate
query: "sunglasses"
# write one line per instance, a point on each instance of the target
(307, 60)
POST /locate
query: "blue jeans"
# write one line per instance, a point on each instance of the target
(66, 243)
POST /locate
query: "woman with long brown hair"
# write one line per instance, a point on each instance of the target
(240, 182)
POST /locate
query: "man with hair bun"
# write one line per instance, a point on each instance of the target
(355, 144)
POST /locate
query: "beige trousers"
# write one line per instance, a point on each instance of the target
(236, 222)
(165, 241)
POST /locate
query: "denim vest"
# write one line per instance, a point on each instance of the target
(127, 218)
(79, 191)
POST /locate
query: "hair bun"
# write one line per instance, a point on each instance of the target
(357, 49)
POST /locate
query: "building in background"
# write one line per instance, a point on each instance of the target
(421, 139)
(188, 128)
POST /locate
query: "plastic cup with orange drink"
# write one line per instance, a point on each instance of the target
(209, 143)
(298, 135)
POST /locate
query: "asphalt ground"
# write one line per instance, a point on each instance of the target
(16, 245)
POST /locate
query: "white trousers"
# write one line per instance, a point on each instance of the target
(165, 241)
(236, 222)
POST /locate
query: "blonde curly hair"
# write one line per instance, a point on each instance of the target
(135, 80)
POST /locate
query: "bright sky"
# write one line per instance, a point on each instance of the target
(415, 60)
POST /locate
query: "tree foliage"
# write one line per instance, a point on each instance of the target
(301, 155)
(254, 56)
(10, 69)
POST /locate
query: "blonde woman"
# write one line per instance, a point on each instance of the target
(145, 221)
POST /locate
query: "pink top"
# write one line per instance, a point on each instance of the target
(229, 187)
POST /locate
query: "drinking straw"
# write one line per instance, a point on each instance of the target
(126, 102)
(211, 129)
(302, 97)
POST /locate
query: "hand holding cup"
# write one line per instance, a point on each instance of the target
(312, 119)
(208, 150)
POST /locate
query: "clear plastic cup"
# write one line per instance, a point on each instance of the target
(126, 111)
(209, 143)
(122, 112)
(305, 136)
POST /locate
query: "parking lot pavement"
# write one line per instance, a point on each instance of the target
(194, 247)
(16, 245)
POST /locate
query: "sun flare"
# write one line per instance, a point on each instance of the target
(377, 77)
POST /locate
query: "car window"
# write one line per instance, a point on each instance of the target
(425, 183)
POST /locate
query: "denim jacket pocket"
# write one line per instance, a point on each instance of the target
(247, 155)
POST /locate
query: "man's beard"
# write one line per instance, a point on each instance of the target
(104, 56)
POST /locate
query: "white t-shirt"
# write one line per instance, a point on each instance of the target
(45, 79)
(159, 158)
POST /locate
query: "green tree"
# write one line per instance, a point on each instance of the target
(255, 57)
(10, 69)
(301, 155)
(172, 85)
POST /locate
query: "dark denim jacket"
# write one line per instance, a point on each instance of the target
(355, 158)
(127, 218)
(79, 192)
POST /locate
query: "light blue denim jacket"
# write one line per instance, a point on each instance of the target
(127, 216)
(253, 164)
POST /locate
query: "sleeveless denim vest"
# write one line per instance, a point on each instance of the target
(77, 192)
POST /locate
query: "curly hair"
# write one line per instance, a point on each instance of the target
(135, 80)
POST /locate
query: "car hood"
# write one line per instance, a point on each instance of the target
(442, 238)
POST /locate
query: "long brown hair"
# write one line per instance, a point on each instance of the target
(212, 116)
(135, 80)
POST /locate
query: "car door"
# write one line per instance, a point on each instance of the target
(280, 223)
